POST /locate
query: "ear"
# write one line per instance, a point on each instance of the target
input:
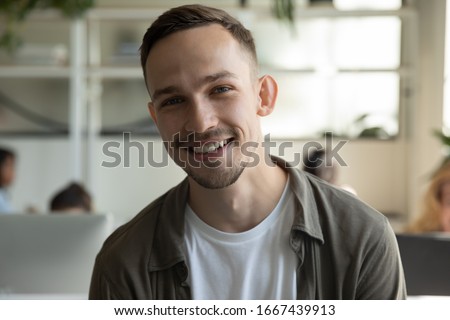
(151, 110)
(268, 90)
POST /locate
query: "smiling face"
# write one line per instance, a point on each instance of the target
(206, 102)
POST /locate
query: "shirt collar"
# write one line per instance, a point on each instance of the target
(307, 214)
(168, 242)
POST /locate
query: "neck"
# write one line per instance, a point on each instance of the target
(242, 205)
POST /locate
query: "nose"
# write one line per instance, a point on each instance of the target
(201, 116)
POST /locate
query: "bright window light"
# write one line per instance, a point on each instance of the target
(309, 105)
(335, 74)
(361, 101)
(367, 42)
(301, 109)
(363, 43)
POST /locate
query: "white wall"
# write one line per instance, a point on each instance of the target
(375, 169)
(43, 168)
(424, 151)
(126, 190)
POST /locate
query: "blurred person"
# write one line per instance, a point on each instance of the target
(435, 206)
(243, 224)
(7, 175)
(71, 199)
(318, 163)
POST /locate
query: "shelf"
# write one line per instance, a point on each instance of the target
(256, 12)
(267, 67)
(116, 72)
(124, 13)
(34, 72)
(330, 12)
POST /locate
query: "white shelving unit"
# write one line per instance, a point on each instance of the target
(74, 73)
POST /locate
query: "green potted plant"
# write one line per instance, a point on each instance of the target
(14, 12)
(445, 140)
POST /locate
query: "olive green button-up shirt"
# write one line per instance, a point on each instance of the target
(345, 249)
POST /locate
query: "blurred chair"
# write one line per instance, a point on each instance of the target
(426, 262)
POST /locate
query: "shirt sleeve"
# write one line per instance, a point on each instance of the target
(99, 288)
(382, 276)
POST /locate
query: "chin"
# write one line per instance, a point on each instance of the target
(218, 179)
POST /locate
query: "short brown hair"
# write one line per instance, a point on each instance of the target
(72, 196)
(192, 16)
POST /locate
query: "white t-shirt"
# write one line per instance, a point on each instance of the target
(256, 264)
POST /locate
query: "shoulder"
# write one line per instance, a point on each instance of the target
(340, 214)
(149, 240)
(361, 235)
(356, 242)
(121, 244)
(134, 240)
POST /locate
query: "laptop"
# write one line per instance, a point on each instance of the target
(426, 262)
(49, 255)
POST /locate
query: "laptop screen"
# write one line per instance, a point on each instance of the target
(49, 254)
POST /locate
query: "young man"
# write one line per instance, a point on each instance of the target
(242, 225)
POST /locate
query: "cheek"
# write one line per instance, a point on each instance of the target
(244, 110)
(168, 126)
(446, 211)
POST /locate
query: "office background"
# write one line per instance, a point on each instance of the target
(371, 72)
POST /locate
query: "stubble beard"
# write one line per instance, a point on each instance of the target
(216, 178)
(217, 174)
(220, 173)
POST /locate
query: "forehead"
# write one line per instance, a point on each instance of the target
(193, 41)
(208, 48)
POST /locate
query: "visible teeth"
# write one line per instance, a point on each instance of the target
(209, 147)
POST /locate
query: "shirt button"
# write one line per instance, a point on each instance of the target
(182, 271)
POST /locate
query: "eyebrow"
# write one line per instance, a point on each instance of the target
(208, 79)
(219, 75)
(166, 90)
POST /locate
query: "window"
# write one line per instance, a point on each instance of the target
(336, 72)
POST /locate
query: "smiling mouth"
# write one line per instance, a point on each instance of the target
(210, 147)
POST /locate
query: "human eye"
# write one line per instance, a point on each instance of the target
(172, 101)
(221, 89)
